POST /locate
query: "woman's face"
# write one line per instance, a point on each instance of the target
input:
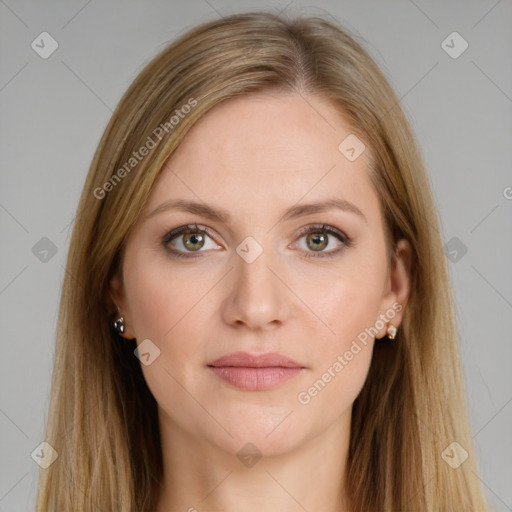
(256, 282)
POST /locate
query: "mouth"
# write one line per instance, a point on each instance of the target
(255, 372)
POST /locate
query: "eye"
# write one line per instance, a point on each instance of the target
(317, 239)
(193, 238)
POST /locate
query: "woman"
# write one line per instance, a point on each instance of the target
(256, 311)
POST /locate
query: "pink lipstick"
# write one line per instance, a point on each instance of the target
(255, 372)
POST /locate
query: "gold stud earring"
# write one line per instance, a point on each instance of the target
(391, 332)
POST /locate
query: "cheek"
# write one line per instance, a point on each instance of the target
(343, 347)
(171, 306)
(331, 392)
(164, 306)
(161, 297)
(345, 301)
(346, 308)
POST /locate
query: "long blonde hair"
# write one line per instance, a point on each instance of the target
(103, 419)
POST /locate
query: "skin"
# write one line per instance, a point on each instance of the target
(255, 156)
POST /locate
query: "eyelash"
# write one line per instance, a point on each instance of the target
(317, 228)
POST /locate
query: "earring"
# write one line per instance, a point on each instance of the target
(391, 332)
(119, 325)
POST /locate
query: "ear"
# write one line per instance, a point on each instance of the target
(118, 297)
(398, 286)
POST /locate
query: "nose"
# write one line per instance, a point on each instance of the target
(258, 296)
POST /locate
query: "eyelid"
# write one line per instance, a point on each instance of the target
(173, 233)
(311, 228)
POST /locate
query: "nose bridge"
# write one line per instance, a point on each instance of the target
(257, 296)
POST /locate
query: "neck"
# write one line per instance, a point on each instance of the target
(199, 475)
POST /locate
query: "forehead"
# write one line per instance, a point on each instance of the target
(266, 151)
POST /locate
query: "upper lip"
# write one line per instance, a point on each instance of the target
(246, 360)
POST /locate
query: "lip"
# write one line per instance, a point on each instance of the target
(255, 372)
(246, 360)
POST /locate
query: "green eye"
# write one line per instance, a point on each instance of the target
(317, 239)
(193, 239)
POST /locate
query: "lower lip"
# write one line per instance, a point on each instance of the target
(254, 379)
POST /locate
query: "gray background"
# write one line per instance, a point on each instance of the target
(54, 111)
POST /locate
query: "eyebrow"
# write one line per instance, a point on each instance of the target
(221, 215)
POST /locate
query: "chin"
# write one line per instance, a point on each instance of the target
(252, 443)
(260, 432)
